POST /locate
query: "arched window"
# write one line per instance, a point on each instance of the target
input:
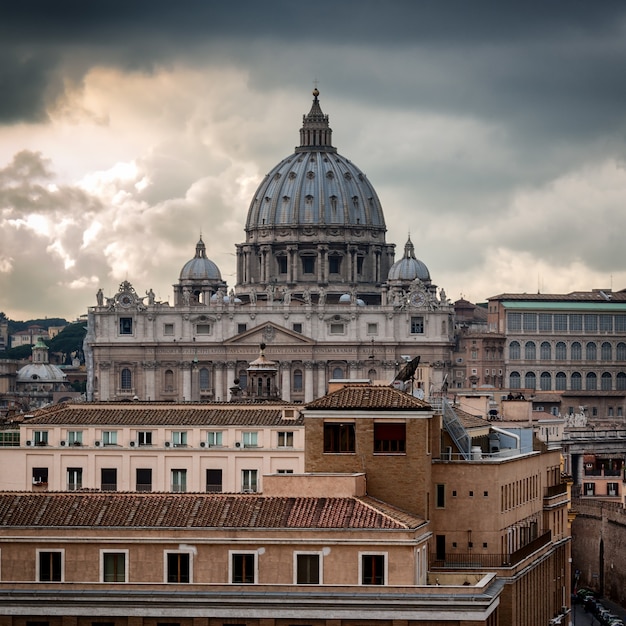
(530, 351)
(606, 352)
(606, 381)
(515, 381)
(243, 379)
(515, 353)
(560, 351)
(620, 352)
(620, 381)
(545, 351)
(205, 380)
(591, 382)
(545, 381)
(372, 375)
(168, 380)
(337, 373)
(576, 381)
(530, 380)
(577, 351)
(297, 380)
(591, 351)
(126, 379)
(561, 381)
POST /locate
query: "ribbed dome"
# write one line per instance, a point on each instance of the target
(408, 268)
(315, 186)
(200, 268)
(40, 369)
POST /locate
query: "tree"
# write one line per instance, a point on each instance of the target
(69, 342)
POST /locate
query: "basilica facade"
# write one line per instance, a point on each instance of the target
(317, 287)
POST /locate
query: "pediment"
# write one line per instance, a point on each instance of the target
(269, 334)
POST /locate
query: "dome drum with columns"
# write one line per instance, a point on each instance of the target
(316, 284)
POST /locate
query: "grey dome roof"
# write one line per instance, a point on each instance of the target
(200, 267)
(315, 186)
(408, 268)
(40, 368)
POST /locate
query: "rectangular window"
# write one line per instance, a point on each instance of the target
(40, 475)
(612, 489)
(372, 329)
(144, 479)
(284, 471)
(417, 325)
(8, 439)
(620, 323)
(389, 437)
(108, 479)
(40, 437)
(589, 489)
(575, 322)
(114, 567)
(214, 480)
(440, 496)
(214, 439)
(179, 438)
(308, 568)
(372, 569)
(606, 323)
(75, 437)
(109, 437)
(560, 322)
(250, 439)
(50, 565)
(285, 439)
(308, 264)
(514, 322)
(74, 478)
(168, 329)
(243, 567)
(241, 328)
(203, 329)
(144, 438)
(337, 329)
(126, 325)
(249, 481)
(591, 323)
(339, 437)
(179, 481)
(281, 261)
(178, 567)
(297, 327)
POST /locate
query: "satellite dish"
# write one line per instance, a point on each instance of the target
(408, 371)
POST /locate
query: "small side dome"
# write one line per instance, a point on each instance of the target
(408, 268)
(200, 268)
(345, 298)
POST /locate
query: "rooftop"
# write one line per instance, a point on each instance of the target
(372, 397)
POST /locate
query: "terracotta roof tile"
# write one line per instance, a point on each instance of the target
(372, 397)
(228, 511)
(145, 414)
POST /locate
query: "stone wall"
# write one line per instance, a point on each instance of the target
(599, 546)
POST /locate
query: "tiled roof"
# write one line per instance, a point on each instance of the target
(227, 511)
(470, 421)
(597, 295)
(372, 397)
(146, 414)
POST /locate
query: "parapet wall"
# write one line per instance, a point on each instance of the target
(599, 546)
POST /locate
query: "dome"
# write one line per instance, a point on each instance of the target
(315, 186)
(40, 369)
(200, 268)
(408, 268)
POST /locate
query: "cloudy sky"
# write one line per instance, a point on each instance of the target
(494, 132)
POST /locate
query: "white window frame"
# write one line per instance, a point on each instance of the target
(231, 553)
(215, 438)
(246, 475)
(109, 437)
(40, 437)
(320, 554)
(178, 479)
(110, 551)
(74, 437)
(285, 438)
(142, 434)
(386, 568)
(250, 438)
(179, 438)
(75, 472)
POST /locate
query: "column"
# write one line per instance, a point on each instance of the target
(322, 265)
(231, 367)
(321, 378)
(285, 380)
(219, 381)
(104, 384)
(149, 374)
(291, 263)
(309, 394)
(186, 369)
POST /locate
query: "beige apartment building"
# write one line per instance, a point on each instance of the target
(153, 447)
